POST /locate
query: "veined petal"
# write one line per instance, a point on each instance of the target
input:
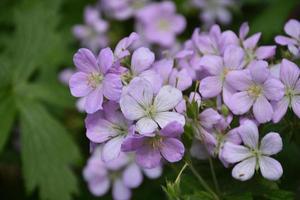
(112, 86)
(172, 149)
(105, 60)
(296, 105)
(289, 73)
(249, 134)
(233, 57)
(271, 144)
(148, 157)
(239, 79)
(213, 64)
(245, 169)
(251, 42)
(85, 61)
(112, 149)
(131, 108)
(265, 52)
(79, 84)
(210, 86)
(142, 59)
(259, 71)
(262, 110)
(270, 168)
(173, 129)
(292, 28)
(164, 118)
(146, 126)
(209, 117)
(233, 153)
(273, 89)
(280, 109)
(94, 101)
(167, 98)
(240, 103)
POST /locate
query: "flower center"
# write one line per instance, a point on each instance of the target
(155, 142)
(163, 25)
(150, 111)
(126, 78)
(255, 90)
(226, 70)
(95, 79)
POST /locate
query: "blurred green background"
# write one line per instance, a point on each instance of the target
(43, 147)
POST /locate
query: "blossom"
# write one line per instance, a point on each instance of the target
(252, 51)
(121, 173)
(252, 155)
(94, 79)
(110, 127)
(214, 10)
(218, 68)
(255, 87)
(122, 10)
(141, 66)
(289, 76)
(160, 23)
(292, 29)
(163, 143)
(93, 33)
(121, 50)
(139, 103)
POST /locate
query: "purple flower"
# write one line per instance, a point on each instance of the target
(252, 155)
(94, 80)
(93, 33)
(65, 75)
(160, 23)
(110, 127)
(121, 173)
(139, 103)
(289, 76)
(292, 29)
(214, 10)
(121, 50)
(122, 10)
(163, 144)
(255, 87)
(218, 68)
(141, 66)
(253, 52)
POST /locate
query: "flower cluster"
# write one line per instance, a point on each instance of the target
(139, 101)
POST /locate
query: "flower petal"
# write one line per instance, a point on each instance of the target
(173, 129)
(271, 144)
(209, 117)
(289, 73)
(112, 86)
(239, 79)
(296, 105)
(233, 153)
(99, 187)
(105, 60)
(262, 110)
(270, 168)
(121, 49)
(133, 142)
(240, 103)
(280, 109)
(167, 98)
(154, 79)
(245, 169)
(172, 149)
(112, 149)
(85, 61)
(146, 126)
(233, 57)
(142, 59)
(210, 86)
(249, 134)
(148, 157)
(94, 101)
(120, 191)
(213, 64)
(79, 84)
(283, 40)
(132, 176)
(131, 108)
(164, 118)
(154, 172)
(292, 28)
(273, 89)
(251, 42)
(259, 71)
(265, 52)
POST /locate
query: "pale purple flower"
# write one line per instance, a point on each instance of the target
(214, 10)
(141, 66)
(122, 10)
(253, 156)
(122, 48)
(250, 45)
(94, 79)
(218, 68)
(93, 33)
(139, 103)
(292, 29)
(170, 75)
(65, 75)
(122, 174)
(110, 127)
(160, 23)
(255, 87)
(163, 143)
(289, 76)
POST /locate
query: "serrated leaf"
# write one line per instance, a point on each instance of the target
(7, 115)
(47, 153)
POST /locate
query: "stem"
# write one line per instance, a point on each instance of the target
(202, 181)
(212, 170)
(181, 171)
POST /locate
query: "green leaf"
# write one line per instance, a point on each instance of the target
(47, 152)
(7, 115)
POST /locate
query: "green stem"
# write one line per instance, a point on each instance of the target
(202, 181)
(181, 171)
(212, 170)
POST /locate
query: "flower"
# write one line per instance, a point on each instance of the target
(253, 52)
(214, 10)
(94, 79)
(292, 29)
(160, 24)
(218, 68)
(139, 103)
(93, 33)
(255, 87)
(252, 155)
(163, 143)
(141, 66)
(121, 50)
(110, 127)
(122, 173)
(289, 76)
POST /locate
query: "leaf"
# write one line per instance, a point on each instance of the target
(7, 115)
(47, 153)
